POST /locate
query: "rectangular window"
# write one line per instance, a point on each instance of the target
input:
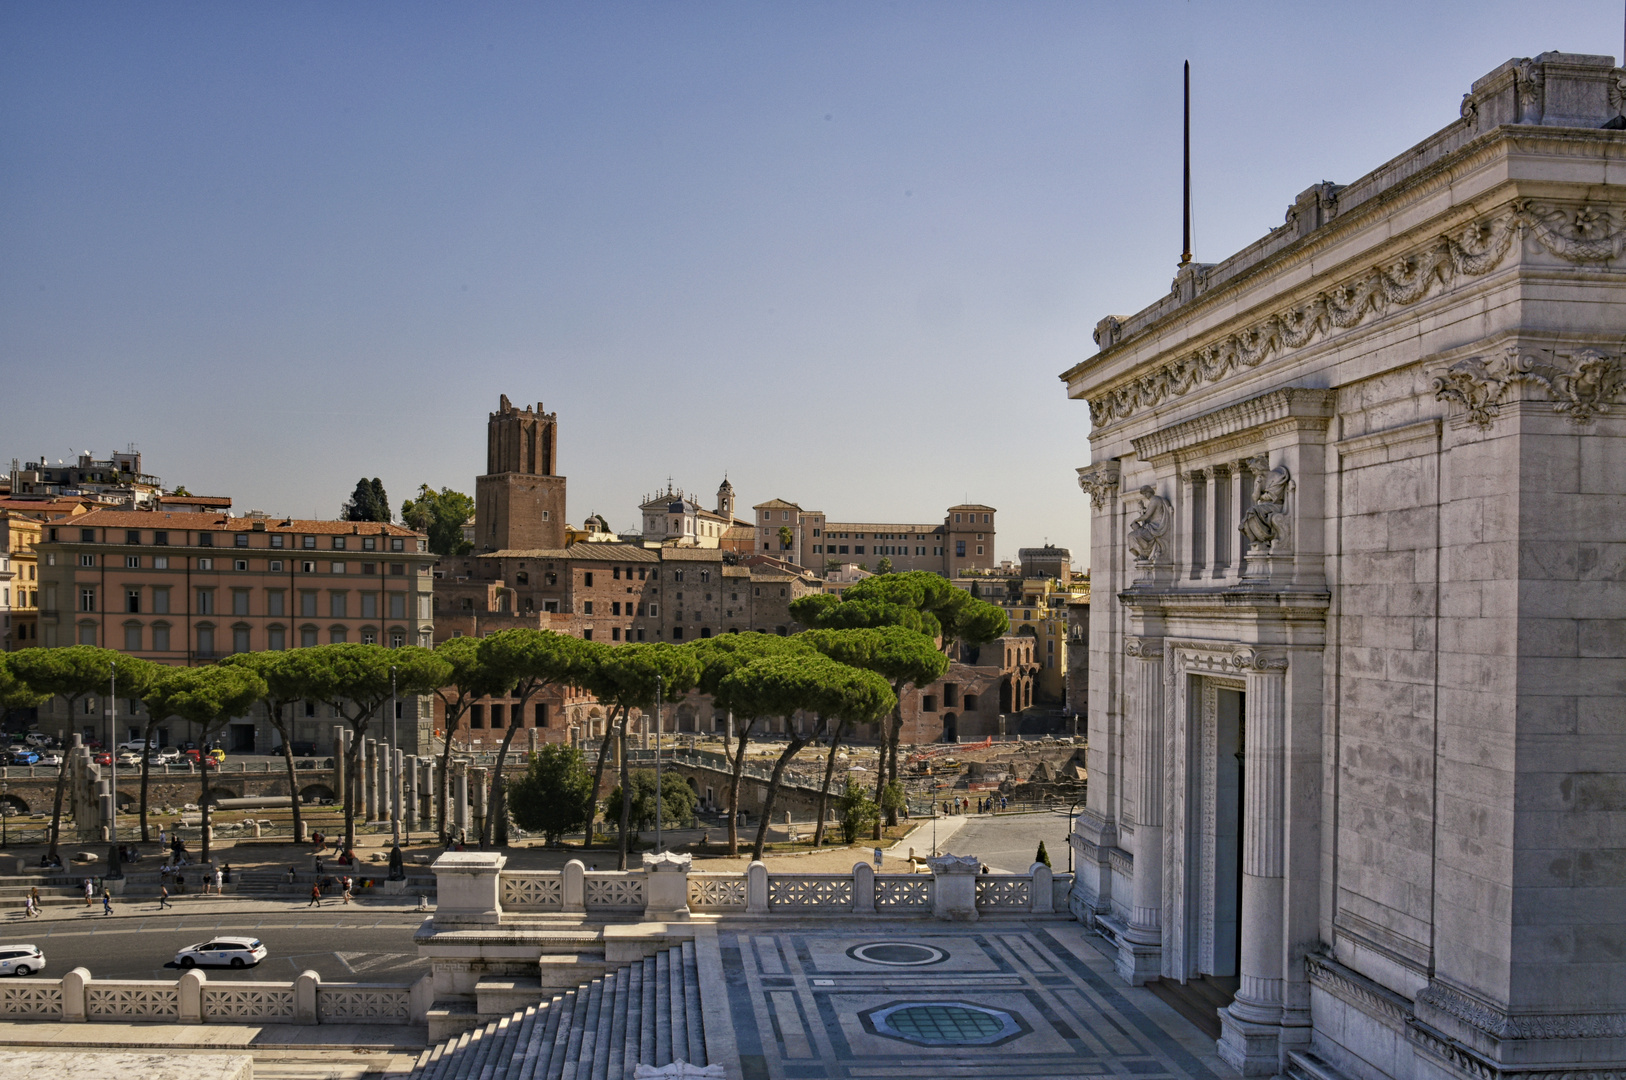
(369, 543)
(615, 572)
(239, 639)
(858, 549)
(551, 605)
(206, 564)
(132, 600)
(277, 540)
(87, 560)
(274, 602)
(396, 544)
(160, 639)
(239, 601)
(206, 539)
(397, 569)
(817, 549)
(132, 562)
(398, 605)
(132, 639)
(337, 602)
(160, 562)
(338, 636)
(206, 602)
(369, 637)
(677, 633)
(587, 607)
(587, 635)
(338, 543)
(276, 638)
(307, 541)
(87, 599)
(369, 605)
(335, 568)
(541, 714)
(307, 605)
(959, 548)
(240, 539)
(206, 641)
(87, 636)
(477, 716)
(398, 638)
(654, 610)
(928, 703)
(307, 636)
(369, 568)
(161, 536)
(843, 549)
(979, 549)
(587, 579)
(615, 633)
(239, 564)
(275, 565)
(160, 601)
(615, 608)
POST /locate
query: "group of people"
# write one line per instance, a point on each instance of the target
(960, 804)
(325, 883)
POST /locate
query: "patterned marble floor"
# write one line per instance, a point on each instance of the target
(1012, 999)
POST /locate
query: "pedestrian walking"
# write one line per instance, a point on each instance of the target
(218, 880)
(161, 836)
(163, 897)
(316, 896)
(34, 901)
(107, 901)
(28, 907)
(347, 890)
(90, 893)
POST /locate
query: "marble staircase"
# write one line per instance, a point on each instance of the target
(646, 1013)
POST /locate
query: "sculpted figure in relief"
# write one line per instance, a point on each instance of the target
(1259, 525)
(1146, 531)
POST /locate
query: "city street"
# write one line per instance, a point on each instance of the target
(1008, 842)
(353, 945)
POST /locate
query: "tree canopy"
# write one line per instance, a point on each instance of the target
(76, 670)
(677, 801)
(368, 502)
(555, 795)
(441, 514)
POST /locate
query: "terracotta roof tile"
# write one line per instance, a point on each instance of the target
(183, 519)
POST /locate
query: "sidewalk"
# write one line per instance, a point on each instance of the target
(147, 907)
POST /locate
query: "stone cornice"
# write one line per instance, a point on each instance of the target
(1400, 182)
(1293, 403)
(1493, 1021)
(1356, 989)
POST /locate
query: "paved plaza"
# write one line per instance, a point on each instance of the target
(1010, 999)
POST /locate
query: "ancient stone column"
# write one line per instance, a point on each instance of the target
(364, 756)
(531, 734)
(478, 793)
(460, 809)
(409, 793)
(1250, 1024)
(1140, 955)
(386, 781)
(341, 751)
(397, 802)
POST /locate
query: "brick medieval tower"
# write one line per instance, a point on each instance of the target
(519, 504)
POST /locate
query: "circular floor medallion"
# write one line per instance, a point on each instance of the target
(897, 954)
(944, 1023)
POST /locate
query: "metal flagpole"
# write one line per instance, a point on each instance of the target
(1185, 248)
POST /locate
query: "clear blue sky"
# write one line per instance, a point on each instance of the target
(840, 250)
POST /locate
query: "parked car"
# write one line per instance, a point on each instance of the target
(218, 754)
(24, 757)
(234, 951)
(21, 959)
(39, 740)
(103, 758)
(304, 749)
(137, 745)
(129, 757)
(165, 755)
(49, 757)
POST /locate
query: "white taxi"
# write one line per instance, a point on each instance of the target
(223, 951)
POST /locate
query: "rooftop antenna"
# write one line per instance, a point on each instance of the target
(1185, 246)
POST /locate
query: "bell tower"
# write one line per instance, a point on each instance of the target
(519, 503)
(725, 500)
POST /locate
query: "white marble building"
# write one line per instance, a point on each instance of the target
(1357, 703)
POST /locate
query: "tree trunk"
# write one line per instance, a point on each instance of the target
(829, 774)
(889, 753)
(288, 759)
(792, 748)
(743, 734)
(445, 782)
(146, 768)
(61, 783)
(626, 796)
(496, 804)
(598, 772)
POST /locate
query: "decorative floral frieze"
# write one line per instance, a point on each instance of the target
(1584, 234)
(1581, 385)
(1493, 1021)
(1099, 482)
(1353, 987)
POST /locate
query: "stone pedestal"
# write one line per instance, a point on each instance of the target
(955, 894)
(467, 888)
(666, 887)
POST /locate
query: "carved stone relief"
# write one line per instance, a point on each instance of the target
(1581, 385)
(1583, 234)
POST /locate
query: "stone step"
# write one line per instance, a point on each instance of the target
(647, 1012)
(1303, 1065)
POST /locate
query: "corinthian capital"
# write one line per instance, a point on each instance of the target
(1099, 481)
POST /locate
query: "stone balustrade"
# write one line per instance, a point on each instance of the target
(193, 999)
(954, 889)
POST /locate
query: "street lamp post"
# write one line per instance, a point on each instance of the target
(389, 765)
(659, 686)
(113, 770)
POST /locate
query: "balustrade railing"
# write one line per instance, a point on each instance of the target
(533, 890)
(193, 1000)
